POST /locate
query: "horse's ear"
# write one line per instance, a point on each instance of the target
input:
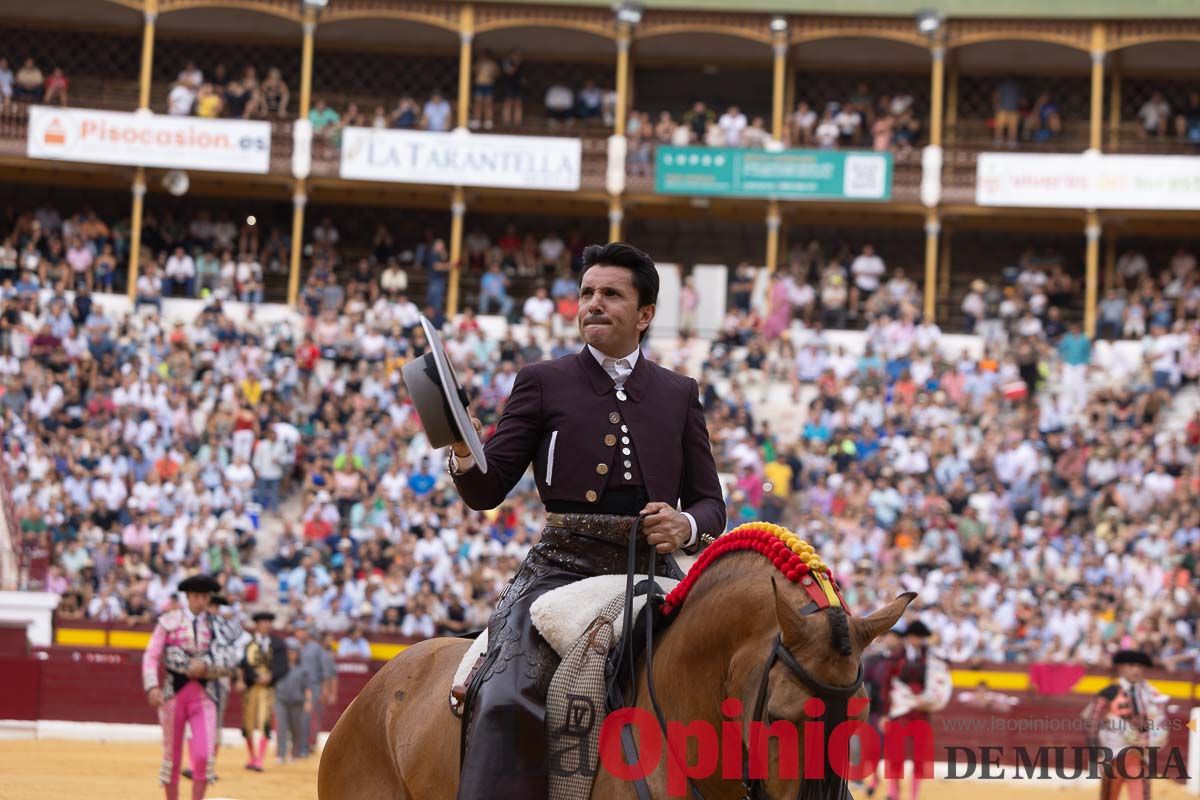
(790, 621)
(866, 629)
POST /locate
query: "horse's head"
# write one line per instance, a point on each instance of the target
(782, 664)
(816, 655)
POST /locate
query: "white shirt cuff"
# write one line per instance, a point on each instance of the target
(459, 466)
(691, 520)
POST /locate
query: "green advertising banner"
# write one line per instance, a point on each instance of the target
(782, 175)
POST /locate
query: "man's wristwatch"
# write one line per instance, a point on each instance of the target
(703, 540)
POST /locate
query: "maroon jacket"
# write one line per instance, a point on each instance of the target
(572, 403)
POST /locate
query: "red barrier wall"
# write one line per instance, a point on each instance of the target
(104, 685)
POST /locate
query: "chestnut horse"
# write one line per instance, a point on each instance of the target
(398, 740)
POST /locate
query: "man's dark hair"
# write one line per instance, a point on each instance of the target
(619, 254)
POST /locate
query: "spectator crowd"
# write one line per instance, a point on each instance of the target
(1043, 509)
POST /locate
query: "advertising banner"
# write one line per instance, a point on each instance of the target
(782, 175)
(461, 159)
(149, 140)
(1054, 180)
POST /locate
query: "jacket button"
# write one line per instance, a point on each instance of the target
(591, 495)
(610, 440)
(602, 469)
(614, 418)
(620, 395)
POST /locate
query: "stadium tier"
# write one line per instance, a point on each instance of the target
(935, 276)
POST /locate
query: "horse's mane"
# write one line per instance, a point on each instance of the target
(795, 559)
(839, 631)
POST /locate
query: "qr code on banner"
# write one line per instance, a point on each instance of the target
(865, 176)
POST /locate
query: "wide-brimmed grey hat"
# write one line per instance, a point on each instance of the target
(439, 399)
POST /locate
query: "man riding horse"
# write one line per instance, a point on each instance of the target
(612, 436)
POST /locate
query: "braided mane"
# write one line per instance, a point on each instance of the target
(793, 557)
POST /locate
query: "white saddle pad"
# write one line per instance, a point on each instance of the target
(563, 614)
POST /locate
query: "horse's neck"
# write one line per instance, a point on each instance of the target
(725, 610)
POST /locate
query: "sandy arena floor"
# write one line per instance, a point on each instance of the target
(65, 770)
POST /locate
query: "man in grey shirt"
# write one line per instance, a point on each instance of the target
(320, 668)
(293, 701)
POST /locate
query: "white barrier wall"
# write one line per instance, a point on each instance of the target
(666, 315)
(185, 310)
(35, 609)
(953, 344)
(711, 282)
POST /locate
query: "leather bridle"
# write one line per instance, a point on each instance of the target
(836, 698)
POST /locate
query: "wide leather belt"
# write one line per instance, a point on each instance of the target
(611, 528)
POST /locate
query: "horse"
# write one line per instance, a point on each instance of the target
(744, 628)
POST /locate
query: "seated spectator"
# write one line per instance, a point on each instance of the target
(6, 84)
(149, 287)
(208, 273)
(191, 76)
(354, 644)
(394, 280)
(324, 120)
(209, 103)
(476, 245)
(1187, 122)
(665, 128)
(180, 273)
(56, 88)
(406, 115)
(867, 270)
(882, 132)
(551, 251)
(714, 137)
(802, 123)
(560, 103)
(756, 135)
(273, 96)
(539, 310)
(493, 292)
(697, 120)
(437, 113)
(238, 100)
(907, 130)
(849, 122)
(249, 279)
(1044, 121)
(81, 257)
(181, 100)
(1154, 115)
(827, 132)
(732, 124)
(588, 102)
(30, 85)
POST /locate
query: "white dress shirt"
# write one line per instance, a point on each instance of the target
(619, 369)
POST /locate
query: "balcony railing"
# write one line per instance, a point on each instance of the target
(965, 142)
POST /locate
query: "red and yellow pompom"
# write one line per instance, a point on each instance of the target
(795, 559)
